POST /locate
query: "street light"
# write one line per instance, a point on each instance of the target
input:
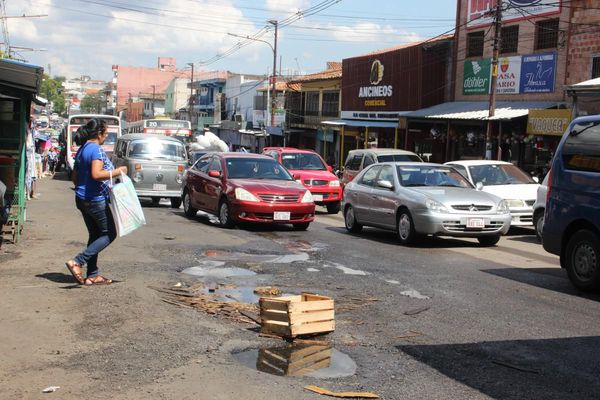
(191, 91)
(274, 76)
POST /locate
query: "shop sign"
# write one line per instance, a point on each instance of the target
(537, 73)
(548, 122)
(509, 75)
(481, 12)
(476, 77)
(375, 90)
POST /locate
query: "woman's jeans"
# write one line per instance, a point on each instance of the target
(101, 227)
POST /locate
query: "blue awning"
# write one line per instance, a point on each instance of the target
(361, 123)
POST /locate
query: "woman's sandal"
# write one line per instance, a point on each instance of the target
(75, 270)
(97, 280)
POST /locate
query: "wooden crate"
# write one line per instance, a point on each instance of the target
(292, 316)
(294, 361)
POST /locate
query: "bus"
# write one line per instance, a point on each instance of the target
(180, 129)
(113, 124)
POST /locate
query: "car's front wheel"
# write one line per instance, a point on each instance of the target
(301, 226)
(225, 220)
(582, 260)
(333, 208)
(538, 224)
(189, 211)
(405, 228)
(350, 221)
(488, 241)
(175, 202)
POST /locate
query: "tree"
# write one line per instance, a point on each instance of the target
(51, 89)
(92, 103)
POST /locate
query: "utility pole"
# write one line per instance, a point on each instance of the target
(274, 77)
(492, 110)
(153, 94)
(191, 92)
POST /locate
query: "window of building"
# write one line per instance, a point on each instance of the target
(475, 44)
(596, 67)
(509, 39)
(546, 34)
(312, 103)
(331, 103)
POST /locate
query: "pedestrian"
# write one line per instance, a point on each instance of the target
(91, 175)
(30, 170)
(52, 160)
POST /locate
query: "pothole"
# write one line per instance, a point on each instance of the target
(317, 361)
(225, 272)
(227, 256)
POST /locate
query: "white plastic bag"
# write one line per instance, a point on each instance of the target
(125, 206)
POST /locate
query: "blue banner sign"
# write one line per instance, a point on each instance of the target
(538, 72)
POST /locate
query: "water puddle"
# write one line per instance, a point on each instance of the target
(317, 361)
(312, 269)
(393, 282)
(217, 272)
(226, 256)
(346, 270)
(236, 294)
(414, 294)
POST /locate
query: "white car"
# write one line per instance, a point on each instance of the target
(506, 181)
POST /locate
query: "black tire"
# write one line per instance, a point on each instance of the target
(155, 201)
(538, 224)
(175, 202)
(301, 226)
(488, 241)
(224, 216)
(405, 228)
(350, 221)
(333, 208)
(582, 260)
(189, 211)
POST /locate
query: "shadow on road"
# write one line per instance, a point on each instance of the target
(565, 368)
(554, 279)
(57, 277)
(211, 220)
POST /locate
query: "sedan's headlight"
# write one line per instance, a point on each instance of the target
(335, 183)
(138, 177)
(502, 207)
(307, 198)
(244, 195)
(435, 206)
(179, 178)
(516, 203)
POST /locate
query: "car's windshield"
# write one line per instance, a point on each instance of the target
(398, 157)
(150, 149)
(110, 139)
(302, 161)
(499, 174)
(415, 175)
(254, 168)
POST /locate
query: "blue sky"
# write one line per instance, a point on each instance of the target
(88, 36)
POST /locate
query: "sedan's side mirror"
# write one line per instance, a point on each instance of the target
(536, 179)
(329, 168)
(214, 173)
(479, 186)
(385, 185)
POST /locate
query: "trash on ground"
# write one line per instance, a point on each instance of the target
(409, 335)
(417, 310)
(353, 303)
(170, 237)
(292, 316)
(358, 395)
(178, 285)
(267, 291)
(51, 389)
(414, 294)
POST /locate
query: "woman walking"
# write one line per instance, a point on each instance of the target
(91, 175)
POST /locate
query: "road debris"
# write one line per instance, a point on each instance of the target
(515, 367)
(353, 303)
(170, 237)
(414, 294)
(51, 389)
(267, 291)
(409, 335)
(415, 311)
(325, 392)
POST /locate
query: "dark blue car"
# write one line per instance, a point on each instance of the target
(572, 219)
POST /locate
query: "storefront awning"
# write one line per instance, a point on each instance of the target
(478, 110)
(20, 76)
(586, 88)
(361, 123)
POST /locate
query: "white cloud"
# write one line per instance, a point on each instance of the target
(369, 32)
(286, 6)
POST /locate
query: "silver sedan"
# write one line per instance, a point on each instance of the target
(418, 199)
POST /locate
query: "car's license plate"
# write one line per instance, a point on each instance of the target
(475, 223)
(317, 197)
(281, 216)
(158, 186)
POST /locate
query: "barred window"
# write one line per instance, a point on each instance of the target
(331, 102)
(596, 67)
(312, 103)
(546, 34)
(509, 39)
(475, 44)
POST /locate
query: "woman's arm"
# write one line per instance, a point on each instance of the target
(100, 174)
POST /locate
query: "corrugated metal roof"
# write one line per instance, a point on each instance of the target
(590, 83)
(478, 110)
(361, 123)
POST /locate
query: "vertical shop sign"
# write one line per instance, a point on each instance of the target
(509, 75)
(538, 72)
(476, 77)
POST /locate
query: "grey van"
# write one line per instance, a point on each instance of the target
(154, 163)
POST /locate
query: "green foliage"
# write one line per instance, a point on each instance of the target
(52, 90)
(92, 103)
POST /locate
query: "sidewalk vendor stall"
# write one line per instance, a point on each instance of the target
(19, 84)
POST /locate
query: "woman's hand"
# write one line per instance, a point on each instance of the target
(122, 169)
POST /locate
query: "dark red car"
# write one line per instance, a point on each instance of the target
(243, 187)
